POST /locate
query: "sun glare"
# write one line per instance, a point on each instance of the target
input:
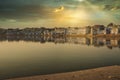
(80, 0)
(61, 8)
(78, 15)
(72, 17)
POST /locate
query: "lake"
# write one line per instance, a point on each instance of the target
(31, 56)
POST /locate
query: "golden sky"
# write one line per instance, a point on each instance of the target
(58, 13)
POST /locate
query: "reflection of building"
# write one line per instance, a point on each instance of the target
(78, 40)
(112, 43)
(60, 40)
(98, 41)
(89, 35)
(93, 41)
(108, 42)
(119, 43)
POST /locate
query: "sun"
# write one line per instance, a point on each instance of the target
(70, 15)
(81, 0)
(61, 8)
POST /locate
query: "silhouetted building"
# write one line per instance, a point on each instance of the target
(98, 29)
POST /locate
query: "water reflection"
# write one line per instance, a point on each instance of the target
(110, 42)
(36, 55)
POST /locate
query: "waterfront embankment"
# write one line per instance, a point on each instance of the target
(103, 73)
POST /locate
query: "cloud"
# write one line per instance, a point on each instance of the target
(111, 7)
(43, 10)
(26, 12)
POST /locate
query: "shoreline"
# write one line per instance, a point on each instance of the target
(102, 73)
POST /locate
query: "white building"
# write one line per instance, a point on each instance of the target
(114, 30)
(61, 31)
(77, 31)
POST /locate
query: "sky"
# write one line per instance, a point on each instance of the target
(58, 13)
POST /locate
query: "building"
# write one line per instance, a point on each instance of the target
(118, 29)
(2, 31)
(112, 29)
(88, 30)
(78, 31)
(71, 31)
(98, 29)
(59, 32)
(13, 32)
(49, 31)
(108, 30)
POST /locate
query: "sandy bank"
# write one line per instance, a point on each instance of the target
(103, 73)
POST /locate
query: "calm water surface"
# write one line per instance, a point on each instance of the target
(18, 59)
